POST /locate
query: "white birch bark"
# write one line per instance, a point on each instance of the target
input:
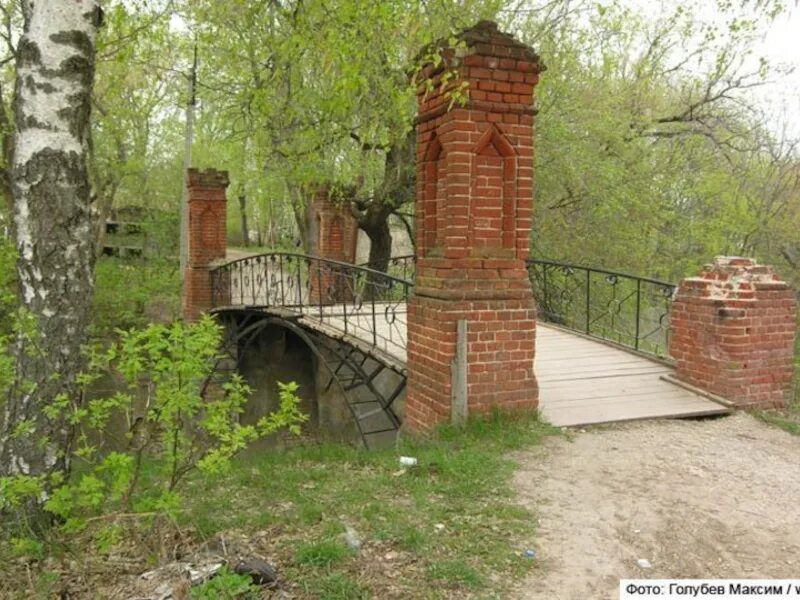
(52, 220)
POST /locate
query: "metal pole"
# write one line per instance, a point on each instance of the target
(299, 267)
(374, 322)
(187, 163)
(638, 311)
(545, 290)
(588, 299)
(280, 274)
(338, 276)
(319, 287)
(253, 294)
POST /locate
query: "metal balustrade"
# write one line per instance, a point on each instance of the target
(625, 309)
(356, 301)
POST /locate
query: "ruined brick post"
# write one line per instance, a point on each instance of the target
(207, 237)
(474, 205)
(732, 332)
(336, 232)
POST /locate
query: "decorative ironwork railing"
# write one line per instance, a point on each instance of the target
(628, 310)
(402, 267)
(357, 301)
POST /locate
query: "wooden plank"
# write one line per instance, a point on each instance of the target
(671, 398)
(602, 361)
(597, 378)
(640, 380)
(567, 374)
(628, 412)
(611, 412)
(568, 395)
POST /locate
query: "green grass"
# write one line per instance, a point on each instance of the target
(451, 526)
(455, 572)
(322, 554)
(788, 419)
(337, 586)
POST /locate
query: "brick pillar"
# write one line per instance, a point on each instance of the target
(732, 332)
(336, 232)
(474, 205)
(207, 237)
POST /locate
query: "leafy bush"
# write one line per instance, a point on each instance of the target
(225, 585)
(132, 293)
(181, 419)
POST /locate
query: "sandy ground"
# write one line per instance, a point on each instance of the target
(699, 499)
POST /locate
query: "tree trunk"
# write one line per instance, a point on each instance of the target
(5, 144)
(397, 189)
(307, 225)
(375, 223)
(50, 185)
(243, 211)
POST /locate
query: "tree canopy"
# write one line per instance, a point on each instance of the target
(648, 135)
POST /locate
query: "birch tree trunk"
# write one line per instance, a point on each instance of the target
(52, 221)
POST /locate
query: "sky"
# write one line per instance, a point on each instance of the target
(781, 45)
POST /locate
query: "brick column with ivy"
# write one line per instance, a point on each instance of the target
(732, 333)
(207, 237)
(474, 205)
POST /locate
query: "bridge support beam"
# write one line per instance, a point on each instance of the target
(733, 333)
(207, 237)
(474, 205)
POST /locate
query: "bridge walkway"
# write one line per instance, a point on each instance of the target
(582, 380)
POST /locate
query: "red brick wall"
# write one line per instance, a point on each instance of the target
(337, 232)
(473, 222)
(733, 331)
(207, 237)
(337, 228)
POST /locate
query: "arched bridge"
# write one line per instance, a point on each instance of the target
(600, 351)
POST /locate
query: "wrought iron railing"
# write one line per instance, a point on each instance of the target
(402, 267)
(628, 310)
(357, 301)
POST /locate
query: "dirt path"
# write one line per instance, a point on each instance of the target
(713, 498)
(236, 254)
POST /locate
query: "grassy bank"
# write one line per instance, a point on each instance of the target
(448, 528)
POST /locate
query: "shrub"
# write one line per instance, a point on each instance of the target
(181, 419)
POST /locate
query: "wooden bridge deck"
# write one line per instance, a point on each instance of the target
(581, 381)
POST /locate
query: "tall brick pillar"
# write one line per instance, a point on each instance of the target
(336, 233)
(335, 227)
(474, 206)
(207, 237)
(732, 332)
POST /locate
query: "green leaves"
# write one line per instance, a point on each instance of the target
(180, 419)
(649, 149)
